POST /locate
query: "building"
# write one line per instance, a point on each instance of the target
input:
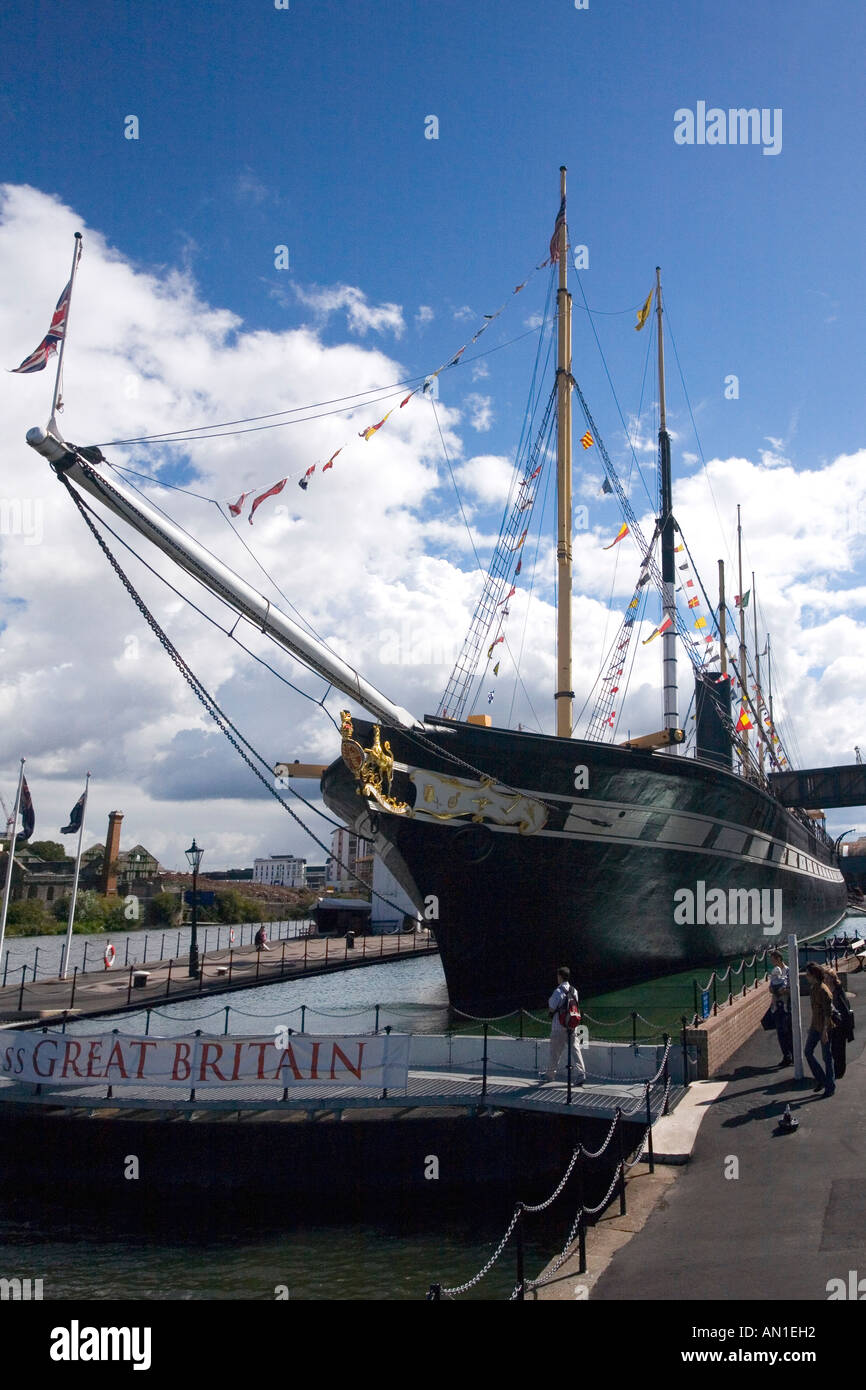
(282, 869)
(317, 877)
(391, 903)
(350, 855)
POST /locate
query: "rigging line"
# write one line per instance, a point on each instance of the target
(531, 589)
(205, 698)
(186, 599)
(612, 313)
(695, 428)
(160, 482)
(466, 524)
(616, 399)
(212, 501)
(190, 434)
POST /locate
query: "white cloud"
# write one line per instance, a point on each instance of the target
(463, 313)
(480, 411)
(487, 477)
(424, 315)
(360, 316)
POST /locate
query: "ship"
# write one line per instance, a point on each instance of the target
(525, 851)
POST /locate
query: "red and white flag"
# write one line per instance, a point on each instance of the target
(263, 497)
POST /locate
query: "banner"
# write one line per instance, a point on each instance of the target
(60, 1059)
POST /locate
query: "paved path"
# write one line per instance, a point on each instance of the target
(110, 991)
(793, 1218)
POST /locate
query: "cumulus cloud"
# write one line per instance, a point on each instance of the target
(424, 315)
(480, 411)
(361, 316)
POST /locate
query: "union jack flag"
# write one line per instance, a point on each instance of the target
(39, 357)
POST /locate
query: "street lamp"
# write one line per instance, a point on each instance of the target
(193, 855)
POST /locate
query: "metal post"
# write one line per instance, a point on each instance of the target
(283, 960)
(520, 1024)
(327, 939)
(303, 1018)
(697, 1010)
(381, 942)
(36, 963)
(622, 1210)
(306, 944)
(201, 974)
(794, 992)
(484, 1064)
(434, 1294)
(649, 1129)
(581, 1225)
(74, 983)
(258, 961)
(192, 1088)
(634, 1028)
(129, 986)
(177, 952)
(521, 1291)
(715, 995)
(665, 1073)
(231, 963)
(376, 1029)
(84, 962)
(146, 939)
(568, 1051)
(147, 1022)
(168, 978)
(126, 959)
(686, 1080)
(21, 992)
(346, 950)
(228, 1009)
(5, 968)
(162, 948)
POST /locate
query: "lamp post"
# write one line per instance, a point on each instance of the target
(193, 855)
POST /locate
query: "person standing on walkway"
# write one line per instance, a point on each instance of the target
(560, 1031)
(819, 1031)
(843, 1020)
(780, 994)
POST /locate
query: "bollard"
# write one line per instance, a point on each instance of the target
(36, 963)
(74, 982)
(129, 986)
(521, 1279)
(484, 1064)
(376, 1029)
(228, 1009)
(649, 1130)
(21, 992)
(168, 978)
(303, 1018)
(622, 1210)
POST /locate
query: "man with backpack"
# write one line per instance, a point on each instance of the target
(565, 1020)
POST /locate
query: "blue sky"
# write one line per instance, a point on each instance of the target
(305, 127)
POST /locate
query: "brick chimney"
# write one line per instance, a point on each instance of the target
(112, 849)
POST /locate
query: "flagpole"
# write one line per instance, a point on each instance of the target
(68, 943)
(666, 527)
(7, 887)
(564, 695)
(76, 257)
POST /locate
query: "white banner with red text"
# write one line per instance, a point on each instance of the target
(61, 1059)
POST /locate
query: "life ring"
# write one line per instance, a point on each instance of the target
(108, 958)
(232, 936)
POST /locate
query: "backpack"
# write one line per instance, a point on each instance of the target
(569, 1014)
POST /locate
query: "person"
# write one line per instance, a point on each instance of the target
(843, 1019)
(819, 1031)
(261, 939)
(780, 994)
(560, 1034)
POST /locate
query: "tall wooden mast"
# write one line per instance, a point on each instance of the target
(666, 523)
(564, 696)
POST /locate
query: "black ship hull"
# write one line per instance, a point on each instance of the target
(526, 852)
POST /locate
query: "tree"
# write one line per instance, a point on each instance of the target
(49, 849)
(28, 918)
(162, 910)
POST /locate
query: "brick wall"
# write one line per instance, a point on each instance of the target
(718, 1038)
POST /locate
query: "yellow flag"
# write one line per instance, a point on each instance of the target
(643, 314)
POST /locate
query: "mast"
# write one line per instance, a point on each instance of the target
(219, 579)
(744, 750)
(723, 626)
(564, 696)
(76, 257)
(666, 524)
(770, 688)
(758, 694)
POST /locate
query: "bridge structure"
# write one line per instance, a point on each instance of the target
(815, 788)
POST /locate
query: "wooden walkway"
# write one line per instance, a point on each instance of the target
(114, 991)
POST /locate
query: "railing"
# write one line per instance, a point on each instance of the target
(577, 1232)
(268, 971)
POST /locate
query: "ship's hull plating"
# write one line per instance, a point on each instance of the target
(624, 865)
